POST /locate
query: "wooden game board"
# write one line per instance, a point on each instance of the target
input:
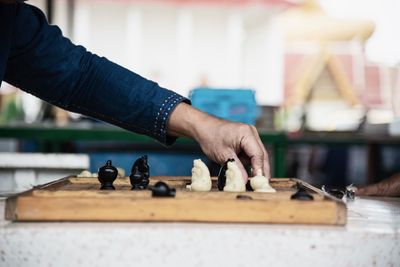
(79, 199)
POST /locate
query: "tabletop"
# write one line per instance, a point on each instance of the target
(370, 238)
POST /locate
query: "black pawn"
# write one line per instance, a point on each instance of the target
(140, 174)
(302, 194)
(161, 189)
(107, 175)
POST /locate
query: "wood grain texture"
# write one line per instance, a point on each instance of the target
(78, 199)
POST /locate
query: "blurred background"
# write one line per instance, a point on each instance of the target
(319, 79)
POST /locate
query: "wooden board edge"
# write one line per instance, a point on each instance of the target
(54, 184)
(341, 213)
(317, 190)
(19, 205)
(11, 203)
(10, 211)
(30, 208)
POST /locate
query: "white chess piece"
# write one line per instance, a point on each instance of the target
(84, 173)
(201, 179)
(121, 172)
(234, 179)
(260, 183)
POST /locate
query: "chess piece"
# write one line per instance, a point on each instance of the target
(161, 189)
(222, 175)
(84, 173)
(302, 194)
(350, 192)
(248, 186)
(201, 179)
(121, 172)
(234, 179)
(339, 194)
(260, 183)
(107, 175)
(140, 174)
(334, 192)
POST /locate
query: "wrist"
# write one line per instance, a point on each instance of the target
(186, 121)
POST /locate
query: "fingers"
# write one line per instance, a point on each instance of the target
(245, 160)
(370, 190)
(266, 168)
(255, 153)
(236, 140)
(380, 189)
(389, 187)
(253, 147)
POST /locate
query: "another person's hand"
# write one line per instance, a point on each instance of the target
(221, 139)
(389, 187)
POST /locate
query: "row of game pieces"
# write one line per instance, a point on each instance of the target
(140, 179)
(139, 176)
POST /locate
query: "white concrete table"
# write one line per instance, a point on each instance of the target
(22, 171)
(370, 238)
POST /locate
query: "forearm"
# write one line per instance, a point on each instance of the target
(187, 121)
(116, 95)
(47, 65)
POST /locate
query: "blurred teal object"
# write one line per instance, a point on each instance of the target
(161, 164)
(231, 104)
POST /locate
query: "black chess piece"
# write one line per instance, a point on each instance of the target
(222, 175)
(339, 194)
(140, 174)
(161, 189)
(302, 194)
(248, 186)
(335, 192)
(107, 175)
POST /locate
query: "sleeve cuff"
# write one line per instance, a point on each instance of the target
(162, 117)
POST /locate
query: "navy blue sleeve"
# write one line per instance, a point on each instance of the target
(46, 64)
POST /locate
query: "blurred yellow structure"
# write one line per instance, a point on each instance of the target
(310, 22)
(326, 71)
(313, 70)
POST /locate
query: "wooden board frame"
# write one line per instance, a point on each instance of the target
(56, 201)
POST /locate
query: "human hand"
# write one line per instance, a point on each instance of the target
(389, 187)
(220, 139)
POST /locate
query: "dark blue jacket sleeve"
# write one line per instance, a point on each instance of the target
(46, 64)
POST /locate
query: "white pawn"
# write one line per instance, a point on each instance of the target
(84, 173)
(260, 183)
(234, 179)
(201, 179)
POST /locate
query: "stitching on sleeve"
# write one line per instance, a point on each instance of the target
(160, 111)
(166, 113)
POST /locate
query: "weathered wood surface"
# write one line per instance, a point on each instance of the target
(79, 199)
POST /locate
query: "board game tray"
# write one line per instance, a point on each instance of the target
(79, 199)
